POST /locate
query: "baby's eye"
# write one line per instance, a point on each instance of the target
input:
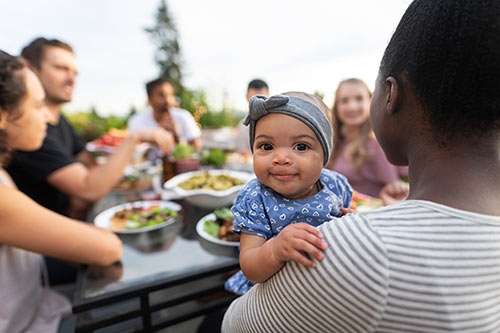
(266, 146)
(301, 146)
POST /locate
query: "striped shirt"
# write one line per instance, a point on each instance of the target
(415, 266)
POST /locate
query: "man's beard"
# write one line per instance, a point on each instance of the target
(54, 100)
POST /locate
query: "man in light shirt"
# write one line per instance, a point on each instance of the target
(162, 112)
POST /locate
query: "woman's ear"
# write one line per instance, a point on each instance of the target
(392, 95)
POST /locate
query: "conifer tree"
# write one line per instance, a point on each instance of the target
(168, 54)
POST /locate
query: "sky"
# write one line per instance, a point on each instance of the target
(293, 45)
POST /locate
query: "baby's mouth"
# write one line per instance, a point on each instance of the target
(283, 176)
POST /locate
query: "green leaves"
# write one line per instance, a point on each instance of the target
(183, 151)
(215, 157)
(211, 228)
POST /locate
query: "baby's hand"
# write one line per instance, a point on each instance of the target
(295, 239)
(345, 211)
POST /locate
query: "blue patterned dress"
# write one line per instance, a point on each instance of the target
(259, 210)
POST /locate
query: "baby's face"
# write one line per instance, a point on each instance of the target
(288, 156)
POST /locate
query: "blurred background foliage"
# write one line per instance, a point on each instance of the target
(90, 125)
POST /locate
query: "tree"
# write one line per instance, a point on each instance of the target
(168, 55)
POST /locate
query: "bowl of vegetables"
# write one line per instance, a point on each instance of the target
(215, 232)
(209, 189)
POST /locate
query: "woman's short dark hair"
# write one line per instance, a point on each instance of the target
(12, 91)
(448, 53)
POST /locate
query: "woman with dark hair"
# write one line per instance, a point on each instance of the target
(430, 263)
(28, 230)
(356, 153)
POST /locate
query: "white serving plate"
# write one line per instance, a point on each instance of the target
(92, 147)
(103, 219)
(206, 236)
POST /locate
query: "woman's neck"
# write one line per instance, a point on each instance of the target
(472, 186)
(351, 132)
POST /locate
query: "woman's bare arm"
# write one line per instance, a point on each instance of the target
(27, 225)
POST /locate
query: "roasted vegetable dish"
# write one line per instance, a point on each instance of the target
(208, 181)
(222, 227)
(133, 182)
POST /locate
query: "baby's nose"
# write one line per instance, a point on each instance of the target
(281, 156)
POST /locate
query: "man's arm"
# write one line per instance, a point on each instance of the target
(196, 142)
(86, 158)
(92, 183)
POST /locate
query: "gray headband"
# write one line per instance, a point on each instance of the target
(296, 107)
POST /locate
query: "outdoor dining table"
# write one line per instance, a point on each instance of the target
(166, 277)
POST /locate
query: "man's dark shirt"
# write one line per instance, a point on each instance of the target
(31, 169)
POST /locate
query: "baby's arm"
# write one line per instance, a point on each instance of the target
(261, 259)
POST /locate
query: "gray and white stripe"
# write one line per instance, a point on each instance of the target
(415, 266)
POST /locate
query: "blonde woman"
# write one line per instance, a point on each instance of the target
(356, 152)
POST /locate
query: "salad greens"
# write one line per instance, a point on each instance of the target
(222, 227)
(223, 213)
(150, 217)
(211, 228)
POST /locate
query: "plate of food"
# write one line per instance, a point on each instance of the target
(138, 178)
(138, 216)
(217, 228)
(108, 142)
(361, 202)
(209, 189)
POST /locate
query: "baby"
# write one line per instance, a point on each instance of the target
(276, 214)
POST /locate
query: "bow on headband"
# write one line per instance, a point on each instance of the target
(261, 105)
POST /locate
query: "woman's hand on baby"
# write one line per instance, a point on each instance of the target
(294, 240)
(345, 211)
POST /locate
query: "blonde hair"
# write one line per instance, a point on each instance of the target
(355, 152)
